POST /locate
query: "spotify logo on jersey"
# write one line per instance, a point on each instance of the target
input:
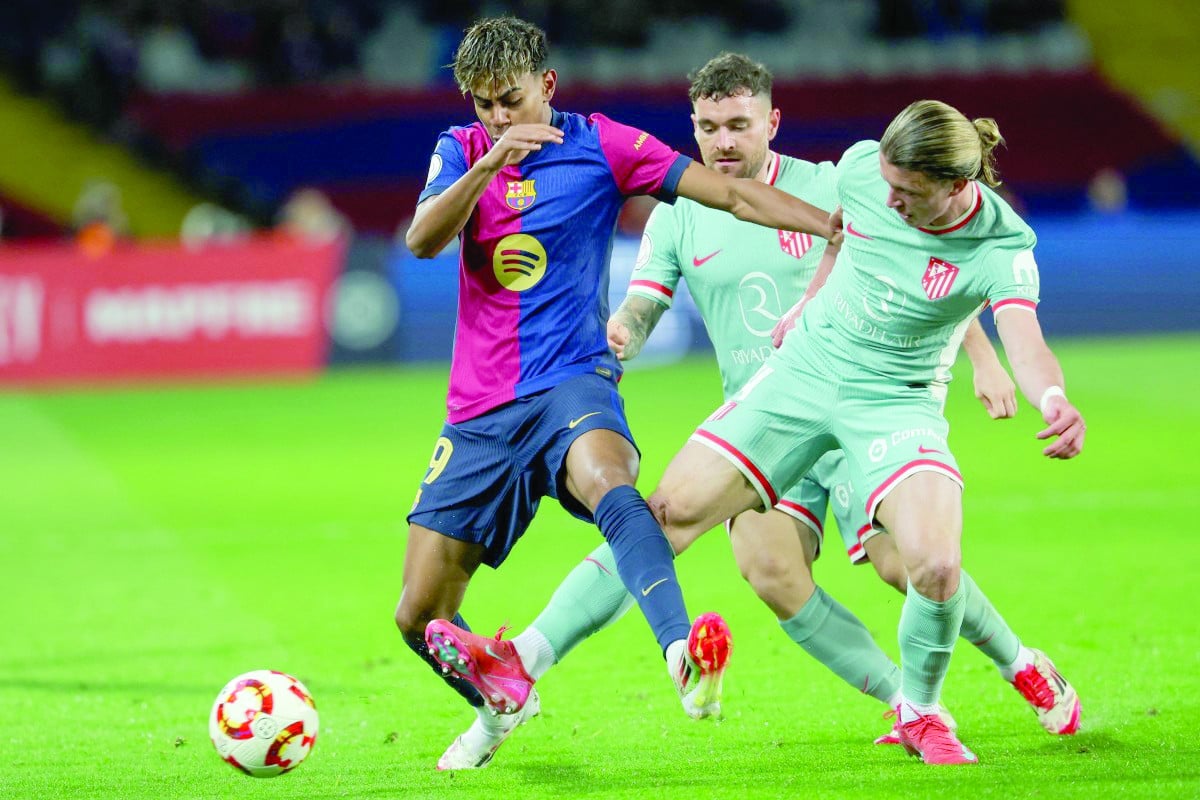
(519, 262)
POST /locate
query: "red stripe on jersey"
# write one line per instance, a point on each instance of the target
(804, 512)
(773, 172)
(858, 551)
(772, 496)
(904, 472)
(965, 220)
(652, 286)
(1014, 302)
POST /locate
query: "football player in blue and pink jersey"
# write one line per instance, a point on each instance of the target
(533, 193)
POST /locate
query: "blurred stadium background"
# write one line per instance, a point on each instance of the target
(215, 187)
(202, 200)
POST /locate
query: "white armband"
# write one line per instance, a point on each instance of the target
(1051, 392)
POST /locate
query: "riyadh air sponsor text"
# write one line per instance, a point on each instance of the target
(751, 355)
(870, 329)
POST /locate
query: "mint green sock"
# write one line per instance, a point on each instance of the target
(928, 630)
(831, 634)
(983, 626)
(590, 598)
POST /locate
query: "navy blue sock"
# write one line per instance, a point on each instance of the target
(417, 643)
(645, 562)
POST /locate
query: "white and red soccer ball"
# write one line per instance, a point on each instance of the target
(264, 723)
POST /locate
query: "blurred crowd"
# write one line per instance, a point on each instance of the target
(93, 54)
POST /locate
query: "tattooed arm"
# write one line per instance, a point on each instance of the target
(631, 324)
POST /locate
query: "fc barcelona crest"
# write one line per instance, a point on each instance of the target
(939, 277)
(520, 195)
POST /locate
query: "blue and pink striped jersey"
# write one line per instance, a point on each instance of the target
(534, 262)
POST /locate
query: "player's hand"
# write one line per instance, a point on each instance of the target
(619, 341)
(996, 390)
(518, 142)
(835, 227)
(788, 321)
(1067, 424)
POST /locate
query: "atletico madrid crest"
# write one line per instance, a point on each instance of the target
(520, 195)
(939, 277)
(794, 244)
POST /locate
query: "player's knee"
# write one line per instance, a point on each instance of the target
(681, 515)
(768, 575)
(411, 621)
(781, 583)
(936, 575)
(763, 568)
(591, 483)
(598, 462)
(606, 477)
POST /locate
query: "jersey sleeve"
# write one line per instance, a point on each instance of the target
(1016, 283)
(448, 164)
(640, 163)
(657, 270)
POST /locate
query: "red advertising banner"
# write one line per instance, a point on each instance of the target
(162, 310)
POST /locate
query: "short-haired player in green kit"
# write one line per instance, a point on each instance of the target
(742, 278)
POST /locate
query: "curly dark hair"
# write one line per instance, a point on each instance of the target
(498, 49)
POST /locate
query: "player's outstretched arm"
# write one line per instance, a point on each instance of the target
(993, 387)
(752, 200)
(824, 267)
(630, 325)
(439, 219)
(1041, 381)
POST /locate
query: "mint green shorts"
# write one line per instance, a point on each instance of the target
(810, 500)
(794, 411)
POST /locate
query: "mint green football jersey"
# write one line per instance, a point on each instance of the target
(900, 298)
(742, 276)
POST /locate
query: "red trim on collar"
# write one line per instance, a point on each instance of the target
(773, 172)
(965, 220)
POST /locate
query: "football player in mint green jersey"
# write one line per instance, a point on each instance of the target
(927, 247)
(742, 277)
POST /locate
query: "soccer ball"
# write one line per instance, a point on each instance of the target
(264, 723)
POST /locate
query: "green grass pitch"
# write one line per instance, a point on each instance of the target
(158, 541)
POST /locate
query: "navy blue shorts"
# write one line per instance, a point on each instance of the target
(488, 474)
